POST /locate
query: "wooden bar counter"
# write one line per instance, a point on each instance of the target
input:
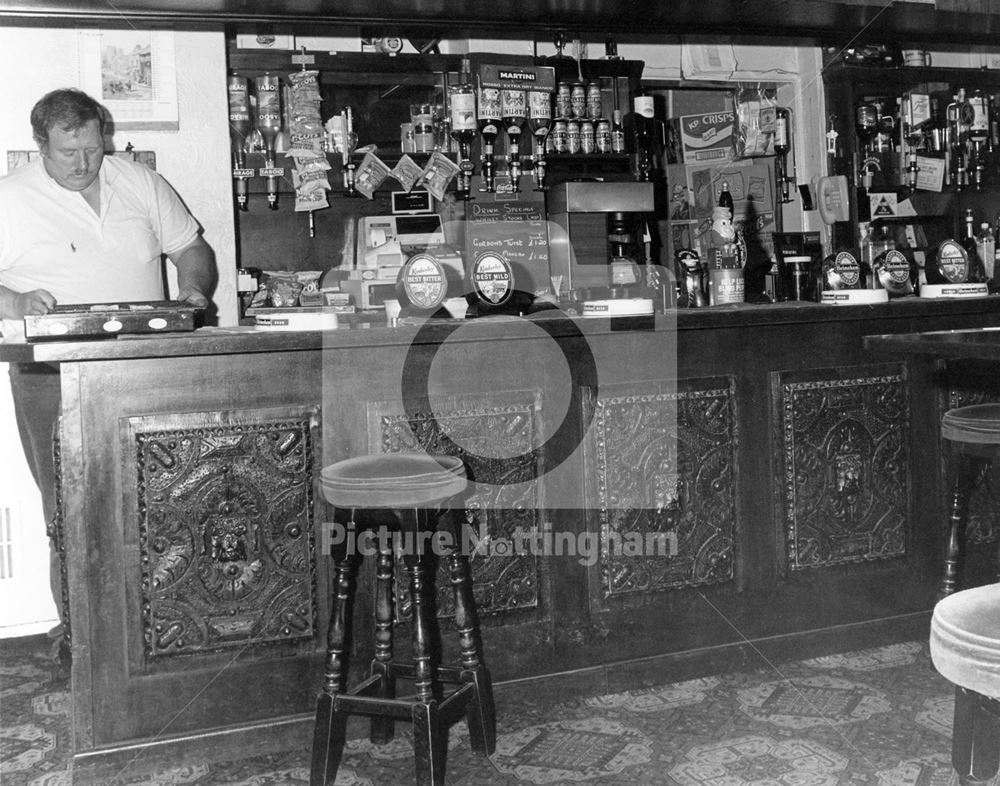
(773, 455)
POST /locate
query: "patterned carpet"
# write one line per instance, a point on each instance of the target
(879, 716)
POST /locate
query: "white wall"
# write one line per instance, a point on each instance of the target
(194, 159)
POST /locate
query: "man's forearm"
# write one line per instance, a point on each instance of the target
(195, 271)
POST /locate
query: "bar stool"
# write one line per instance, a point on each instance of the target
(403, 492)
(965, 649)
(975, 431)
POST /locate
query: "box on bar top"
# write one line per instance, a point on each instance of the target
(110, 319)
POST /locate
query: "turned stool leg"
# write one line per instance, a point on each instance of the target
(382, 727)
(429, 740)
(975, 746)
(480, 713)
(331, 725)
(969, 474)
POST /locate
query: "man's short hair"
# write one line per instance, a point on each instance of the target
(67, 109)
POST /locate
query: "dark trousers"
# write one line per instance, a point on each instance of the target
(36, 406)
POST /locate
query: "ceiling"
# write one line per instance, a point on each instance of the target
(870, 20)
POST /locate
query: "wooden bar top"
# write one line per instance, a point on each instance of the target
(977, 343)
(248, 339)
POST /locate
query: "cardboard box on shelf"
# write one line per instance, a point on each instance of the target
(708, 137)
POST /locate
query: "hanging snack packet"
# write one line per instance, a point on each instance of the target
(407, 172)
(372, 171)
(438, 173)
(755, 124)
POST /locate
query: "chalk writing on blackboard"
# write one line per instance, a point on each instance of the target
(515, 230)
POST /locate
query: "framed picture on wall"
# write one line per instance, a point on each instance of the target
(131, 72)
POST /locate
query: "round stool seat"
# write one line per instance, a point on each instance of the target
(393, 480)
(976, 423)
(965, 639)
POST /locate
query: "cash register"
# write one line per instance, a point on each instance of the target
(384, 244)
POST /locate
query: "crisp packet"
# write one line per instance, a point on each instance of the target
(307, 201)
(407, 172)
(283, 289)
(370, 174)
(438, 173)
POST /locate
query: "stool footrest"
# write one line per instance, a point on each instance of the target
(401, 708)
(449, 674)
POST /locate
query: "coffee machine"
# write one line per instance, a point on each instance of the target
(595, 237)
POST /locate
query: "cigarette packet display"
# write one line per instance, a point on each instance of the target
(97, 320)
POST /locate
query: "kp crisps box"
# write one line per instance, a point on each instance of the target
(708, 137)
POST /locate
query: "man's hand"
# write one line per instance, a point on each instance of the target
(194, 298)
(17, 305)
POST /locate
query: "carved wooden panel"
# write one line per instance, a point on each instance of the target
(845, 466)
(482, 431)
(984, 503)
(225, 528)
(665, 464)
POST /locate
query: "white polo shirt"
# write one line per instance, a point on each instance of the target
(50, 238)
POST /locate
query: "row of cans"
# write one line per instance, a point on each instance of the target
(578, 100)
(585, 136)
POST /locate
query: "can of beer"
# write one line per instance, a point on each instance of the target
(594, 100)
(587, 136)
(602, 135)
(559, 137)
(572, 136)
(578, 100)
(564, 105)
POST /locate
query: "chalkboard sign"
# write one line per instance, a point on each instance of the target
(512, 225)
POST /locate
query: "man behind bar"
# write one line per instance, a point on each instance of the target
(76, 227)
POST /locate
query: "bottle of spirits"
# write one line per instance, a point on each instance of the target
(462, 99)
(513, 113)
(239, 130)
(977, 272)
(986, 248)
(539, 123)
(726, 199)
(489, 126)
(644, 135)
(979, 135)
(782, 146)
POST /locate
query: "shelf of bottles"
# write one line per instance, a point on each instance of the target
(513, 129)
(953, 140)
(931, 136)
